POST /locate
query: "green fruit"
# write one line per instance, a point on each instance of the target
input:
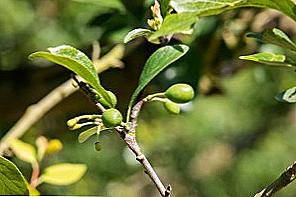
(112, 97)
(98, 146)
(172, 107)
(111, 118)
(180, 93)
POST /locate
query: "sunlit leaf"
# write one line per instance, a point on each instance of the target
(12, 182)
(213, 7)
(24, 151)
(158, 61)
(268, 59)
(136, 33)
(77, 62)
(63, 173)
(288, 96)
(175, 23)
(83, 136)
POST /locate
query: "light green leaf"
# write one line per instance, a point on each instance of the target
(175, 23)
(275, 36)
(12, 182)
(158, 61)
(83, 136)
(268, 58)
(136, 33)
(213, 7)
(24, 151)
(63, 173)
(288, 96)
(77, 62)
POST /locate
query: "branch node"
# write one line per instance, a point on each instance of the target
(168, 191)
(140, 157)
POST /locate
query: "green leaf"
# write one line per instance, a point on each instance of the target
(164, 7)
(288, 96)
(63, 173)
(24, 151)
(158, 61)
(136, 33)
(175, 23)
(83, 136)
(213, 7)
(275, 36)
(268, 58)
(77, 62)
(12, 182)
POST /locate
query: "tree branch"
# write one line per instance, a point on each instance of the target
(129, 137)
(36, 111)
(286, 178)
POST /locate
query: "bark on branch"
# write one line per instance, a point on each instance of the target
(286, 178)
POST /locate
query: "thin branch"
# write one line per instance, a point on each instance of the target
(36, 111)
(129, 137)
(286, 178)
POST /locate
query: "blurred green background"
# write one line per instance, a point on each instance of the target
(232, 140)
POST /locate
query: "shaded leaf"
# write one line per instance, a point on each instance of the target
(164, 7)
(12, 182)
(213, 7)
(288, 96)
(83, 136)
(24, 151)
(268, 58)
(63, 173)
(158, 61)
(77, 62)
(136, 33)
(175, 23)
(275, 36)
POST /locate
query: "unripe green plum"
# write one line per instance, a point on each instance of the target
(111, 118)
(180, 93)
(172, 107)
(112, 97)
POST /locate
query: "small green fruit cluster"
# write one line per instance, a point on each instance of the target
(178, 93)
(111, 118)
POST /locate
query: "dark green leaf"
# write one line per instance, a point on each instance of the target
(276, 37)
(12, 182)
(213, 7)
(164, 7)
(288, 96)
(175, 23)
(136, 33)
(158, 61)
(77, 62)
(268, 58)
(83, 136)
(63, 173)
